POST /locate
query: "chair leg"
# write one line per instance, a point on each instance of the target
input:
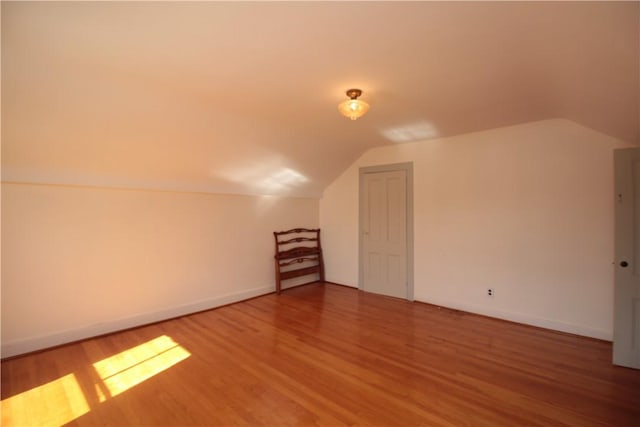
(277, 278)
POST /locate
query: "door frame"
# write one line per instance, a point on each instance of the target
(394, 167)
(626, 352)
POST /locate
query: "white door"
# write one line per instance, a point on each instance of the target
(626, 336)
(384, 233)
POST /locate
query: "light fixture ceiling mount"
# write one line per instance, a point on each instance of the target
(353, 108)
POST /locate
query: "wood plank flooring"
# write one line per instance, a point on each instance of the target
(324, 355)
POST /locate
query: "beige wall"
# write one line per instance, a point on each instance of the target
(80, 261)
(526, 210)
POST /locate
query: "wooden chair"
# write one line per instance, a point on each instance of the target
(288, 254)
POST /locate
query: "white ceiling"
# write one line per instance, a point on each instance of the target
(241, 97)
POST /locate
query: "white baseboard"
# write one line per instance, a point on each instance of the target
(17, 347)
(523, 318)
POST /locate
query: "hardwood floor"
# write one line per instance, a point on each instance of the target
(324, 355)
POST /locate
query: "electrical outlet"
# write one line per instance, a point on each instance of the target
(490, 292)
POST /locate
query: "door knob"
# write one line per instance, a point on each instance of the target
(624, 264)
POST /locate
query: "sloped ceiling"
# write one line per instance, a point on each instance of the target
(241, 97)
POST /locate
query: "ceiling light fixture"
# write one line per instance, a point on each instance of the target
(353, 107)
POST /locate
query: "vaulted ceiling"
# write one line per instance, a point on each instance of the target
(239, 97)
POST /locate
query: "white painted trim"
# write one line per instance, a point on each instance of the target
(339, 283)
(523, 318)
(14, 348)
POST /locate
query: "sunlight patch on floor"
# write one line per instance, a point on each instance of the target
(55, 403)
(131, 367)
(63, 400)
